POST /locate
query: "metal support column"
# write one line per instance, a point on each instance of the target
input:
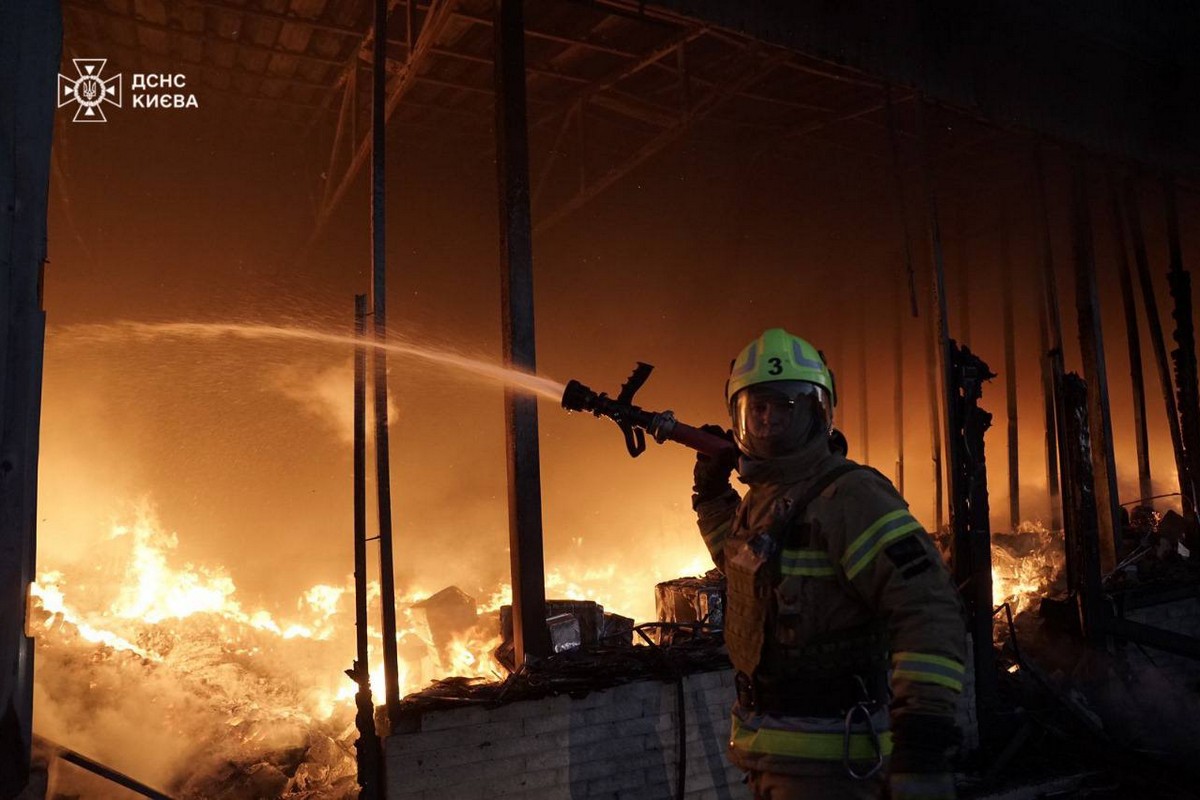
(938, 331)
(383, 485)
(898, 392)
(969, 514)
(1154, 325)
(1052, 355)
(531, 637)
(366, 748)
(1010, 382)
(1080, 506)
(30, 49)
(1184, 354)
(864, 385)
(962, 376)
(1091, 346)
(1133, 339)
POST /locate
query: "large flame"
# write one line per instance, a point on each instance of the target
(263, 678)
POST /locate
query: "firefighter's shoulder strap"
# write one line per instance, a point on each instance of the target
(792, 532)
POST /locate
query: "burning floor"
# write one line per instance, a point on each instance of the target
(158, 670)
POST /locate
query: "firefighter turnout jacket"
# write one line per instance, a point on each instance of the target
(832, 587)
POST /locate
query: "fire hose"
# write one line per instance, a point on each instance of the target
(636, 422)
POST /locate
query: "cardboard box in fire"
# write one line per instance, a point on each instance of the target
(572, 623)
(689, 600)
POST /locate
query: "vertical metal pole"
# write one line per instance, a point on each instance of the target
(1184, 354)
(1134, 340)
(531, 637)
(1091, 346)
(908, 287)
(367, 754)
(1154, 325)
(964, 287)
(1010, 381)
(965, 424)
(387, 584)
(1052, 355)
(898, 196)
(898, 393)
(940, 360)
(864, 412)
(30, 50)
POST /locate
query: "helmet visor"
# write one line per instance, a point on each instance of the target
(778, 418)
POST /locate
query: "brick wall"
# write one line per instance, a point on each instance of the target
(617, 743)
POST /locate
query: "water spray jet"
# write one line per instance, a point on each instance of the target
(489, 372)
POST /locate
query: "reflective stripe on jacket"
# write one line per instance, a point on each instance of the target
(862, 558)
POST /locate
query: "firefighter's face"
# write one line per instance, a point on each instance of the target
(775, 419)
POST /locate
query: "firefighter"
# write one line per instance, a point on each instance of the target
(832, 585)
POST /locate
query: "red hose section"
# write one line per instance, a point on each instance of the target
(702, 441)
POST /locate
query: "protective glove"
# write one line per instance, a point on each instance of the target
(920, 768)
(711, 474)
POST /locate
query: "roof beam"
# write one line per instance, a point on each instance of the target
(273, 16)
(435, 22)
(202, 36)
(711, 101)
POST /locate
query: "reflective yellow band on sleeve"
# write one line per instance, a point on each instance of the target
(806, 563)
(890, 527)
(815, 746)
(928, 668)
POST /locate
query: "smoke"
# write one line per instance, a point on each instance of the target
(325, 394)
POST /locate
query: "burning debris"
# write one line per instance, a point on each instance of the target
(689, 605)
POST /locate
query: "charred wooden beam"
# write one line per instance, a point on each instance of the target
(969, 514)
(1133, 339)
(531, 636)
(1091, 345)
(1081, 531)
(1184, 355)
(1187, 490)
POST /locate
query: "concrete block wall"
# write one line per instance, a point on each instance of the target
(617, 743)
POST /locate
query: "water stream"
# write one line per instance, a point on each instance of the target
(483, 370)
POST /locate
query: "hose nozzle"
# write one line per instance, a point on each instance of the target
(578, 397)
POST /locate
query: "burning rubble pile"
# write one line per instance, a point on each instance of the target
(159, 670)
